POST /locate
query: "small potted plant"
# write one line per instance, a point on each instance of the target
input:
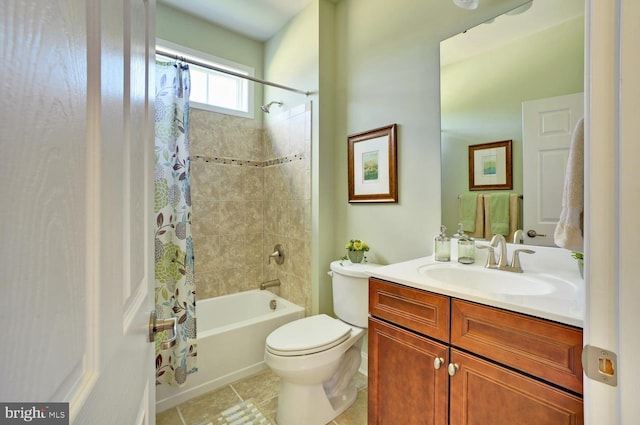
(355, 250)
(580, 257)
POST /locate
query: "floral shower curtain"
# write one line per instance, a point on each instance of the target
(174, 280)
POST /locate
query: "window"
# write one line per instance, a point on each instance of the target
(213, 90)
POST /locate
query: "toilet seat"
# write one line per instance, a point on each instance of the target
(307, 336)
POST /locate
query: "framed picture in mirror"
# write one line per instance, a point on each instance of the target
(490, 166)
(373, 176)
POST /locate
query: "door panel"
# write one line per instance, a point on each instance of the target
(44, 196)
(77, 202)
(408, 390)
(547, 129)
(483, 393)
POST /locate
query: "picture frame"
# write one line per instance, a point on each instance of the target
(490, 166)
(372, 162)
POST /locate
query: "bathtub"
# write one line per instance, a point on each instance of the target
(232, 330)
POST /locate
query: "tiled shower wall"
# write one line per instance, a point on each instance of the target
(287, 201)
(250, 189)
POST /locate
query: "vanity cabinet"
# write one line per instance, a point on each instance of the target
(440, 360)
(405, 386)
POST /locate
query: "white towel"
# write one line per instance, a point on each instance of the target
(568, 232)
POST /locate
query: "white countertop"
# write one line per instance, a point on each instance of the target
(565, 304)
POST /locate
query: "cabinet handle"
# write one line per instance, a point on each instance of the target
(438, 362)
(453, 368)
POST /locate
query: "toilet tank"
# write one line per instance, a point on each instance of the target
(351, 291)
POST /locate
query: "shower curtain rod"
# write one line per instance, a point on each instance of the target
(226, 71)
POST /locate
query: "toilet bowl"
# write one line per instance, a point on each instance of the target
(316, 357)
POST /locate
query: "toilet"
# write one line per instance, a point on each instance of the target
(316, 357)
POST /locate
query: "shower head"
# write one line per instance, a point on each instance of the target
(265, 108)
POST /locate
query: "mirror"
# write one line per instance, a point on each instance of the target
(533, 52)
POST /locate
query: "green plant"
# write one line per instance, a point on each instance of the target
(580, 257)
(356, 245)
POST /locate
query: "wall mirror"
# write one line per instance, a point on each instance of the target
(532, 53)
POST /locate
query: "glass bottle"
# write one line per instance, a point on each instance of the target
(442, 246)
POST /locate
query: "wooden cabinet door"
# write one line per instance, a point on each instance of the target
(484, 393)
(405, 388)
(547, 350)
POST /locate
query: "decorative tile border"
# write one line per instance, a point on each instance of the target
(284, 159)
(227, 161)
(247, 163)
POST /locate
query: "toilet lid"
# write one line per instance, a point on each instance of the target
(306, 336)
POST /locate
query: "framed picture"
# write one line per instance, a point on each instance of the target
(373, 176)
(490, 166)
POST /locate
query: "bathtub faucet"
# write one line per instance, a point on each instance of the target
(269, 284)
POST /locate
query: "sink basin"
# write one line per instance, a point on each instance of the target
(487, 280)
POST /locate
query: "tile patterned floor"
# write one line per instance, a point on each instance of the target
(262, 389)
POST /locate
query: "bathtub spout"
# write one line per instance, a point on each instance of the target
(269, 284)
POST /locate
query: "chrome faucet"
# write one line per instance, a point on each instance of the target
(269, 284)
(518, 236)
(498, 241)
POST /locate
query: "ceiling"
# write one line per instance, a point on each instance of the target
(261, 19)
(520, 22)
(257, 19)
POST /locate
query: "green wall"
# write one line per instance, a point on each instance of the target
(388, 72)
(482, 99)
(183, 29)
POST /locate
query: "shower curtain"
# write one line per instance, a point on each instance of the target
(174, 280)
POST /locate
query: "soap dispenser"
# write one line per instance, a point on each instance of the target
(466, 250)
(442, 246)
(460, 233)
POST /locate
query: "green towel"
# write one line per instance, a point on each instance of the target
(467, 215)
(500, 213)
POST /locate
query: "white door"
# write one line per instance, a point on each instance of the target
(547, 126)
(612, 201)
(75, 203)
